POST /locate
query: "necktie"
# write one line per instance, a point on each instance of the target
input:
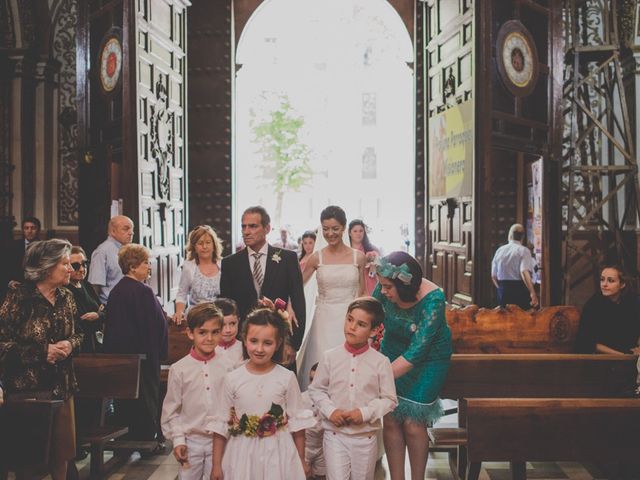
(258, 276)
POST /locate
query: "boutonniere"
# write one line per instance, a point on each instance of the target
(276, 256)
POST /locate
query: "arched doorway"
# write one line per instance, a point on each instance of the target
(324, 114)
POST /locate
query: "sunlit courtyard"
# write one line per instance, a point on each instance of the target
(324, 115)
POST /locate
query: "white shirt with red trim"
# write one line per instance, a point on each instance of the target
(347, 379)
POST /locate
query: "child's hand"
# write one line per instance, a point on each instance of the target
(354, 416)
(216, 473)
(180, 452)
(338, 418)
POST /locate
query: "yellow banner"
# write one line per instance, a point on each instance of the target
(451, 152)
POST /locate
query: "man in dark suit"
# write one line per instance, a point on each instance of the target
(260, 270)
(15, 253)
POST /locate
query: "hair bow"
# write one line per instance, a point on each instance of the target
(386, 269)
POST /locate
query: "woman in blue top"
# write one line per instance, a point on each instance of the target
(417, 341)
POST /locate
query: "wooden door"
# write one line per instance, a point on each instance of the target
(160, 75)
(133, 137)
(450, 109)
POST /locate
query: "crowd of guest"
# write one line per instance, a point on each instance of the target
(238, 392)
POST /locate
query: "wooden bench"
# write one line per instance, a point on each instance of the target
(179, 346)
(512, 330)
(518, 430)
(26, 426)
(527, 376)
(103, 377)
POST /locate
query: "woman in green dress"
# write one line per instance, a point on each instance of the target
(417, 341)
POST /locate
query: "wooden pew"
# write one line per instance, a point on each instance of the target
(104, 377)
(527, 376)
(179, 346)
(512, 330)
(26, 426)
(577, 429)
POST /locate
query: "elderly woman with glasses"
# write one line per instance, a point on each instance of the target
(37, 338)
(417, 341)
(90, 311)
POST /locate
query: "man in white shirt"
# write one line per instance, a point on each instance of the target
(353, 389)
(284, 241)
(105, 271)
(511, 272)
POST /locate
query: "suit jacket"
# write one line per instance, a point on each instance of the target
(282, 279)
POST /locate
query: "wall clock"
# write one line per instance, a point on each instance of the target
(110, 61)
(517, 58)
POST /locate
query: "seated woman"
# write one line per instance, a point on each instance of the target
(37, 338)
(136, 323)
(90, 311)
(200, 276)
(610, 321)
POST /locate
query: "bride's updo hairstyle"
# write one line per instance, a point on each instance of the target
(335, 212)
(407, 293)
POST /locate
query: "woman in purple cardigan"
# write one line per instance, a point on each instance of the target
(136, 323)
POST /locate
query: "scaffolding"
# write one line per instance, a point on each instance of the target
(600, 171)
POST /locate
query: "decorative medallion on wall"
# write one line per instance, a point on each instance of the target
(162, 138)
(110, 60)
(517, 58)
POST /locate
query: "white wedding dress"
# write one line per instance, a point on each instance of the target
(338, 285)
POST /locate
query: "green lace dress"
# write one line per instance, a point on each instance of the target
(421, 335)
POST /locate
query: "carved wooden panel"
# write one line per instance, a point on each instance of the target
(210, 82)
(449, 84)
(100, 130)
(518, 129)
(161, 64)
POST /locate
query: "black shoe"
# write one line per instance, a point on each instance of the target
(81, 454)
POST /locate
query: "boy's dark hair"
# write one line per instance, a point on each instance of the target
(227, 306)
(266, 316)
(201, 313)
(370, 305)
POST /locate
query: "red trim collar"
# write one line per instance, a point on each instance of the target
(227, 345)
(199, 357)
(356, 351)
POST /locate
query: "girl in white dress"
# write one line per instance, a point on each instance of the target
(259, 431)
(340, 275)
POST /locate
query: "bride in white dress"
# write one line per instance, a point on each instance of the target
(339, 272)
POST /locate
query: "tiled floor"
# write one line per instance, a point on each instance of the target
(164, 467)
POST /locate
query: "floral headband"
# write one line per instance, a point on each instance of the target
(386, 269)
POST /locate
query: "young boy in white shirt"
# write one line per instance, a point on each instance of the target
(313, 436)
(354, 388)
(229, 344)
(193, 389)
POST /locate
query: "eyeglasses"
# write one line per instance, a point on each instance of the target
(76, 265)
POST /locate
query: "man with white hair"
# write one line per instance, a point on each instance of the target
(105, 271)
(511, 271)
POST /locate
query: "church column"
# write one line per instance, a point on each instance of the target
(22, 139)
(45, 146)
(6, 167)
